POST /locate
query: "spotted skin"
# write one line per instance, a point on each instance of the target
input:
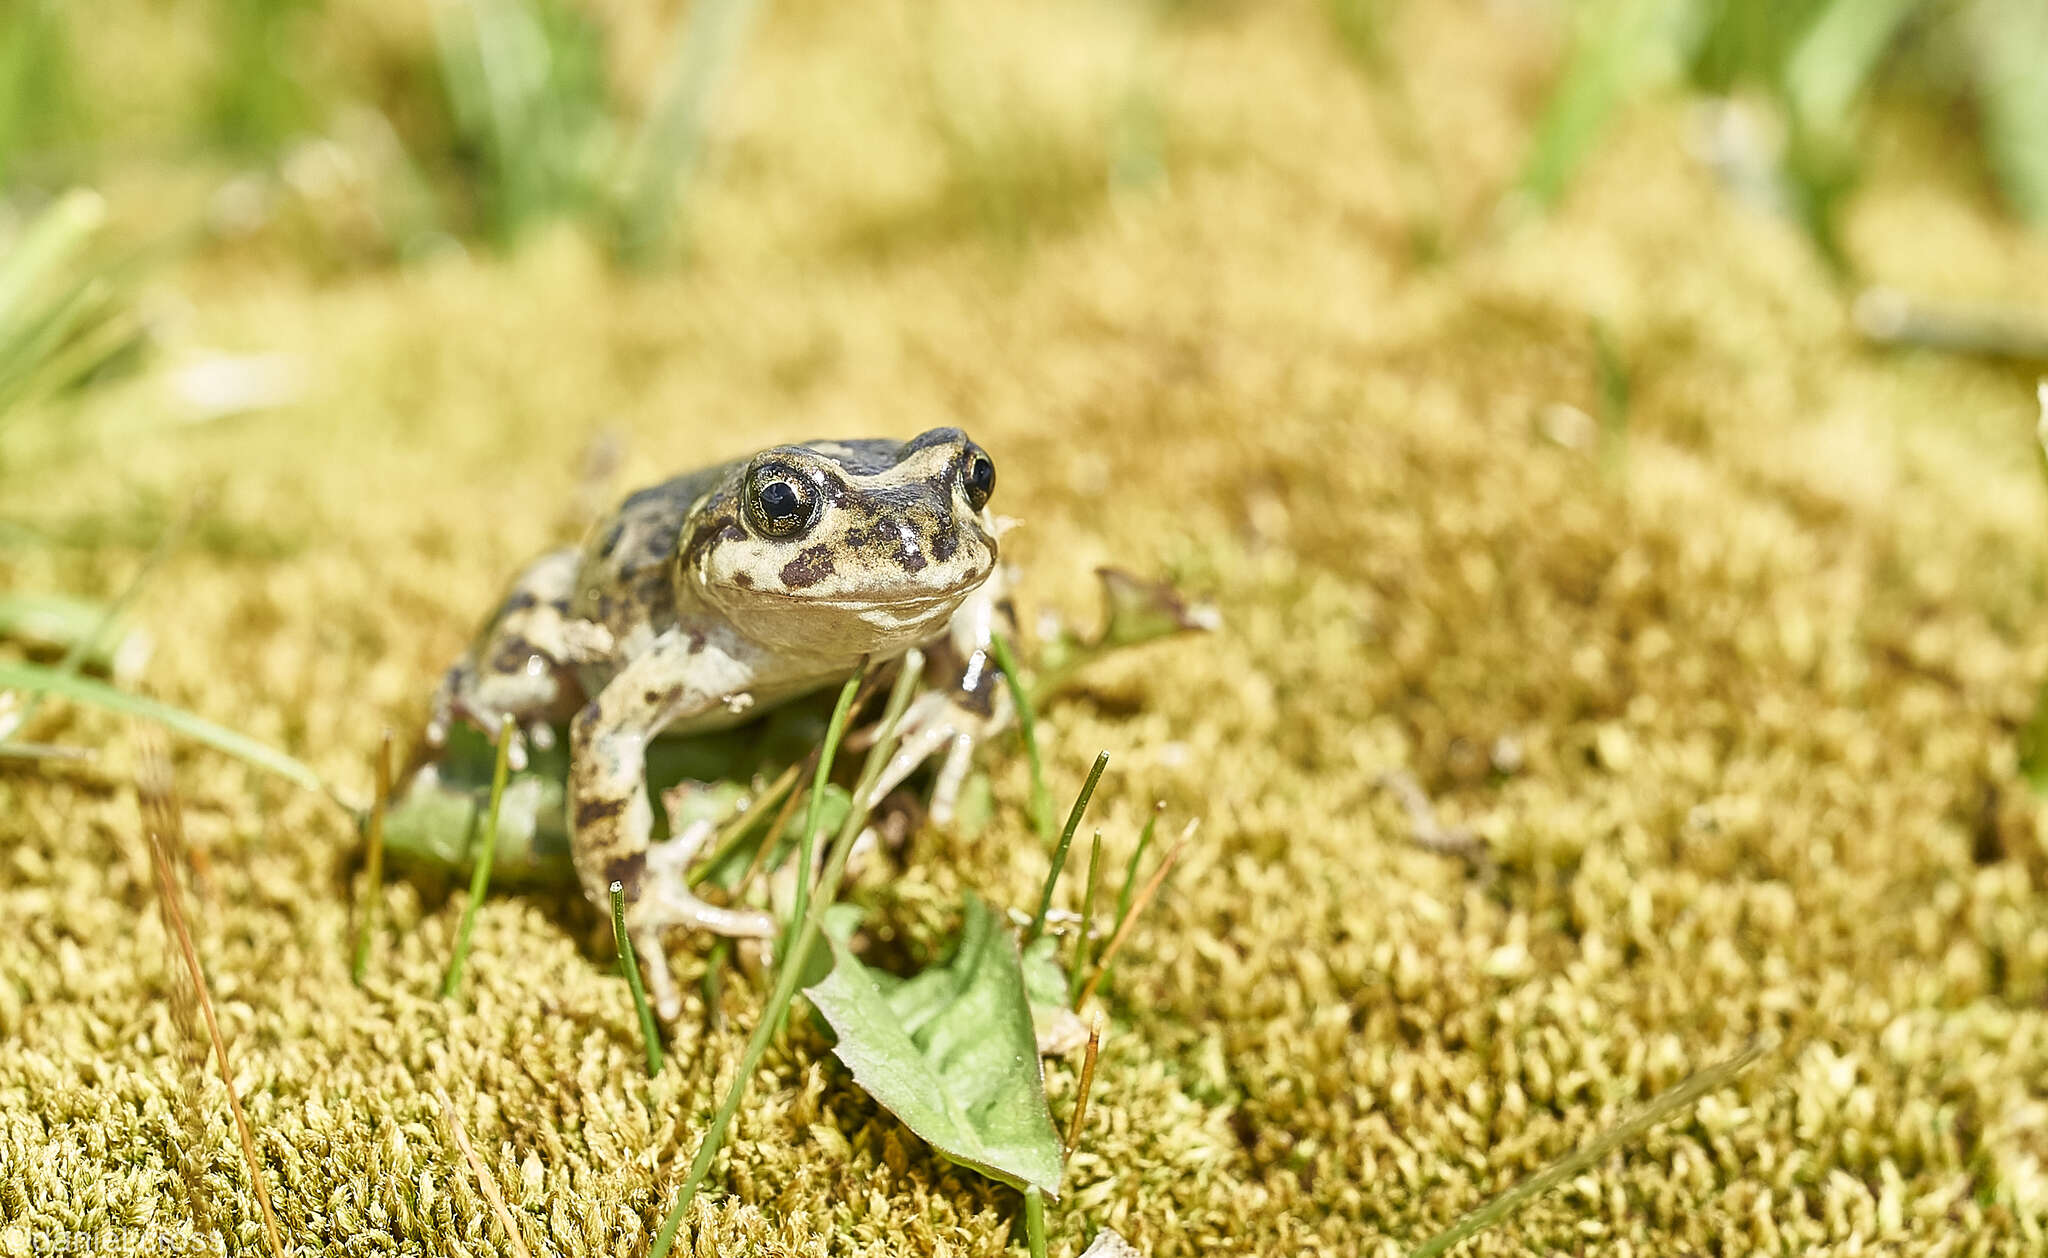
(524, 662)
(721, 593)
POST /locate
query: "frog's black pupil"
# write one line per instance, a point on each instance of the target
(981, 480)
(779, 502)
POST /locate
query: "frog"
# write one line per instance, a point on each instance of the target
(717, 595)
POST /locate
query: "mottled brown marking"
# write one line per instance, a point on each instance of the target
(512, 654)
(945, 544)
(812, 565)
(592, 811)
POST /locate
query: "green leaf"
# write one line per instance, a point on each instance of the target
(952, 1053)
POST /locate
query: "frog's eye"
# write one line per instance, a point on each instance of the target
(978, 478)
(782, 504)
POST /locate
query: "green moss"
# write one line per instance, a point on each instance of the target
(1738, 730)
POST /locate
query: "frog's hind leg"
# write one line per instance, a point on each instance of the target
(661, 898)
(677, 677)
(523, 663)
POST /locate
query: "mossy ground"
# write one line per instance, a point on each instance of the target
(1765, 663)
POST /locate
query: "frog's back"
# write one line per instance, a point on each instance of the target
(625, 577)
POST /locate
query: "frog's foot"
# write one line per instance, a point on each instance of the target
(664, 900)
(951, 722)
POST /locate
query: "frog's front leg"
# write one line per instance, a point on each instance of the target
(522, 664)
(679, 676)
(968, 703)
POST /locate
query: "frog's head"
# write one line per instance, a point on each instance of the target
(846, 547)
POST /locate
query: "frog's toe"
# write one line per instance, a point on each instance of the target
(661, 981)
(665, 898)
(946, 790)
(937, 722)
(515, 752)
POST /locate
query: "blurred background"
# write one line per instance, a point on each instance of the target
(325, 139)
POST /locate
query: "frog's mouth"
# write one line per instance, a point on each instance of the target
(908, 604)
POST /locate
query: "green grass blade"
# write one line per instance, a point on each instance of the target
(1137, 861)
(56, 237)
(480, 877)
(790, 973)
(40, 680)
(1085, 943)
(1837, 56)
(52, 620)
(89, 646)
(1125, 898)
(736, 833)
(629, 965)
(1667, 1106)
(807, 848)
(670, 147)
(373, 874)
(2012, 92)
(1616, 40)
(2034, 738)
(1059, 855)
(1027, 727)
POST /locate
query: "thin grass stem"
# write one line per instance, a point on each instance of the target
(484, 1182)
(45, 751)
(1666, 1106)
(807, 847)
(629, 965)
(15, 675)
(790, 972)
(1144, 898)
(160, 810)
(1087, 1084)
(671, 145)
(88, 645)
(1027, 728)
(373, 873)
(1085, 944)
(1127, 891)
(737, 830)
(480, 876)
(1059, 854)
(714, 983)
(1034, 1221)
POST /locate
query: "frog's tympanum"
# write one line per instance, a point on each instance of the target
(720, 593)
